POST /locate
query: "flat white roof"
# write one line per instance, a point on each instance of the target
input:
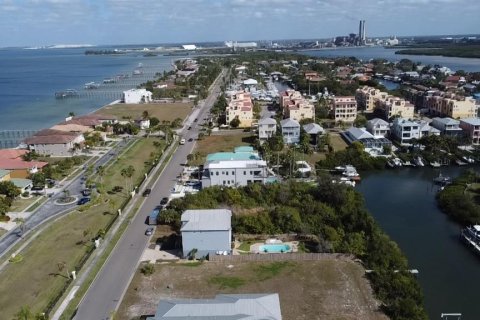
(235, 164)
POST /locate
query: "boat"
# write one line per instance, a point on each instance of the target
(69, 93)
(442, 180)
(468, 159)
(460, 162)
(398, 162)
(418, 161)
(351, 173)
(108, 80)
(471, 236)
(138, 71)
(92, 85)
(435, 164)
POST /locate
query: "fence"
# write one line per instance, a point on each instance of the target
(280, 257)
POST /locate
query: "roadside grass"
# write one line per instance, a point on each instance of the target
(220, 143)
(20, 204)
(59, 175)
(162, 111)
(227, 282)
(190, 264)
(42, 274)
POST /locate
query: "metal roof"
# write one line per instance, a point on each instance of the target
(222, 307)
(289, 123)
(313, 128)
(206, 220)
(267, 121)
(472, 121)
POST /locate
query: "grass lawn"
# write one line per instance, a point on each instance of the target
(245, 246)
(59, 175)
(337, 142)
(162, 111)
(220, 143)
(325, 289)
(38, 278)
(20, 204)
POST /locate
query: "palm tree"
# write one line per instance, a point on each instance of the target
(145, 114)
(101, 172)
(128, 173)
(62, 265)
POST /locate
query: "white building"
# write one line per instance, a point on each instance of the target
(378, 127)
(290, 131)
(189, 47)
(206, 231)
(135, 96)
(267, 127)
(404, 130)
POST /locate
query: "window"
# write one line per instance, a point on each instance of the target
(244, 173)
(226, 172)
(233, 173)
(217, 173)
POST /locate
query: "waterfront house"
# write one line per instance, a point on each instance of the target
(404, 130)
(55, 143)
(471, 126)
(450, 105)
(240, 106)
(223, 306)
(378, 127)
(267, 127)
(136, 96)
(314, 131)
(369, 141)
(395, 106)
(344, 108)
(12, 161)
(290, 131)
(238, 168)
(206, 231)
(367, 96)
(447, 126)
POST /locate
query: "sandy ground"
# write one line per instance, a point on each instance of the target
(327, 289)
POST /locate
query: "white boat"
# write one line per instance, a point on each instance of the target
(435, 164)
(92, 85)
(468, 159)
(350, 171)
(418, 162)
(398, 162)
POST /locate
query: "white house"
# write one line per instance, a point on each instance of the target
(404, 130)
(290, 131)
(209, 231)
(143, 123)
(378, 127)
(267, 127)
(135, 96)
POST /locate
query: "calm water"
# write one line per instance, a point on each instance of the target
(368, 53)
(403, 202)
(29, 79)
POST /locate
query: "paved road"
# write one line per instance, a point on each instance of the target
(49, 208)
(107, 290)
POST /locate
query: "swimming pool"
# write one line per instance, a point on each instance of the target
(274, 248)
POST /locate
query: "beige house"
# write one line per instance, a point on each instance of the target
(368, 96)
(395, 106)
(55, 143)
(240, 106)
(450, 105)
(295, 106)
(344, 108)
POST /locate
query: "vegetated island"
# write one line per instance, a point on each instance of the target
(103, 52)
(461, 199)
(330, 218)
(458, 51)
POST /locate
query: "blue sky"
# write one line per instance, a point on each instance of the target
(43, 22)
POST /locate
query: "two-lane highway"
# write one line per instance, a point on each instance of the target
(106, 292)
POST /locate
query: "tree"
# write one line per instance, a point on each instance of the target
(38, 180)
(8, 189)
(71, 114)
(128, 173)
(360, 121)
(154, 121)
(62, 265)
(235, 122)
(145, 114)
(101, 172)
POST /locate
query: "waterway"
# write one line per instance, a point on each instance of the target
(403, 202)
(367, 53)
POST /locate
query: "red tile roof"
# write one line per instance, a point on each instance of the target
(50, 136)
(12, 153)
(12, 164)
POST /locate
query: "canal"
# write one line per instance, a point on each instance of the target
(403, 203)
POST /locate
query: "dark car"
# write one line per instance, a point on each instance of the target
(83, 201)
(87, 192)
(190, 140)
(196, 119)
(149, 231)
(147, 192)
(189, 128)
(164, 201)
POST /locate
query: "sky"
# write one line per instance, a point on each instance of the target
(47, 22)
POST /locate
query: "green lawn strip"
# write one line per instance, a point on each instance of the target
(20, 204)
(245, 246)
(62, 242)
(267, 271)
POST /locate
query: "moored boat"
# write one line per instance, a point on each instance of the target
(471, 236)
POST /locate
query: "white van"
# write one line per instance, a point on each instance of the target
(182, 141)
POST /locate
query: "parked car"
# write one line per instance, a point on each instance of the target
(190, 140)
(147, 192)
(149, 231)
(87, 192)
(164, 201)
(189, 128)
(83, 201)
(182, 141)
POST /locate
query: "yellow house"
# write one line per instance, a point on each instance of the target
(240, 106)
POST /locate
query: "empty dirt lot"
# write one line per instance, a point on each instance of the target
(325, 289)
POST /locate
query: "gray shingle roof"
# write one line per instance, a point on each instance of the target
(206, 220)
(223, 307)
(313, 128)
(289, 123)
(267, 121)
